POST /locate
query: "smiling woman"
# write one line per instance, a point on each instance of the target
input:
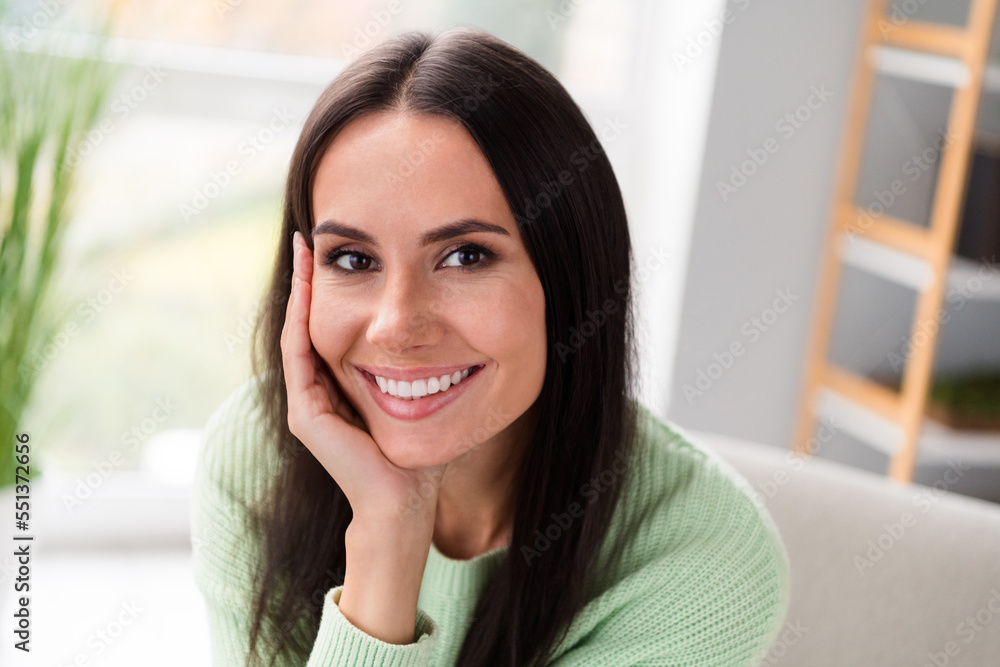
(417, 475)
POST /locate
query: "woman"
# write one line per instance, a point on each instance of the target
(440, 460)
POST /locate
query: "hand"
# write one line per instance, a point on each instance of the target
(328, 425)
(388, 540)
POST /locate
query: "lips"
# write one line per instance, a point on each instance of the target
(388, 384)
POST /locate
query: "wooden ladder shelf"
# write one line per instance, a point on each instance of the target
(963, 52)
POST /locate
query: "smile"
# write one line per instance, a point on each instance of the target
(420, 388)
(417, 393)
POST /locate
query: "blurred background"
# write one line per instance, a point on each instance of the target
(173, 218)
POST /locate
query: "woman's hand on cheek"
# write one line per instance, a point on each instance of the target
(320, 416)
(387, 542)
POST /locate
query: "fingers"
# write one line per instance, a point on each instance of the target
(321, 374)
(305, 268)
(296, 345)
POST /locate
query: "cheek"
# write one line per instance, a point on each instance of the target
(511, 329)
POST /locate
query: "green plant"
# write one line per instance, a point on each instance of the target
(49, 100)
(975, 393)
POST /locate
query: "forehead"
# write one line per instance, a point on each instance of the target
(417, 169)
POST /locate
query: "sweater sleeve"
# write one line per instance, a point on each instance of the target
(232, 474)
(340, 643)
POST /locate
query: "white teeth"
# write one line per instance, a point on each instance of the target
(419, 388)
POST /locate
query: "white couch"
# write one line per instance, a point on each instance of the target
(883, 573)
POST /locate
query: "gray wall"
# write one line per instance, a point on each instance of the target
(767, 235)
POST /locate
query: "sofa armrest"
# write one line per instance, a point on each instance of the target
(883, 573)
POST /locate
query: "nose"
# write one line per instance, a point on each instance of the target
(404, 314)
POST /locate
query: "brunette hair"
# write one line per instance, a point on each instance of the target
(569, 211)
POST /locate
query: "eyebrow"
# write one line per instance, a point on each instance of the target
(442, 233)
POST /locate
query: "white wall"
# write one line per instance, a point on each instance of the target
(675, 73)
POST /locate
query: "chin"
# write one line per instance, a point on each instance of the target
(409, 452)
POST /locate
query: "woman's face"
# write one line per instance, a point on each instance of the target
(421, 279)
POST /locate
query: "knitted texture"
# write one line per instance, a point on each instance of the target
(703, 578)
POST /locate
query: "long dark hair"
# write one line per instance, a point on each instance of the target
(569, 210)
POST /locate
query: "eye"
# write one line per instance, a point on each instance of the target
(349, 260)
(467, 256)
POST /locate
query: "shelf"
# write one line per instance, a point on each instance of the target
(975, 281)
(881, 260)
(917, 257)
(938, 444)
(923, 67)
(859, 422)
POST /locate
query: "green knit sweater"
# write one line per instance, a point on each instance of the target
(703, 578)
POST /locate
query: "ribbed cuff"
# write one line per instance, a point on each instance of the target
(340, 643)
